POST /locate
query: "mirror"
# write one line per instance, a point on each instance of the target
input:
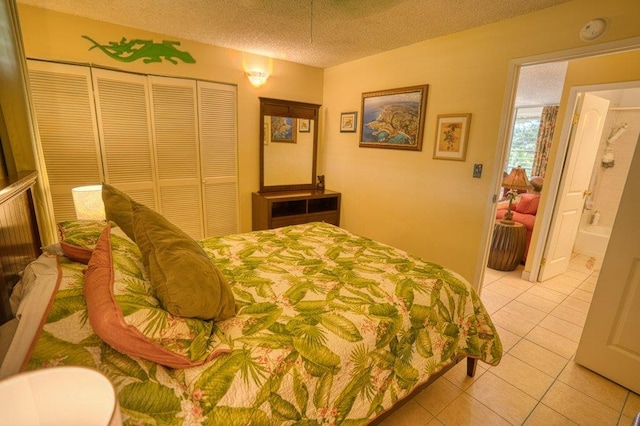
(288, 145)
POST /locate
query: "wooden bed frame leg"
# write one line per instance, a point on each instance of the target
(471, 366)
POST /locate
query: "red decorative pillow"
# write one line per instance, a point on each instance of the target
(76, 253)
(79, 238)
(528, 204)
(170, 341)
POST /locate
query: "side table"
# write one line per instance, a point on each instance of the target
(507, 245)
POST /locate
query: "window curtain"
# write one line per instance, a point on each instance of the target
(543, 143)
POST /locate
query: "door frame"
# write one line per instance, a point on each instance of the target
(504, 131)
(551, 205)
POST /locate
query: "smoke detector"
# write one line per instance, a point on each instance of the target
(593, 29)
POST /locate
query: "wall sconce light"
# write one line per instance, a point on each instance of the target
(87, 201)
(257, 78)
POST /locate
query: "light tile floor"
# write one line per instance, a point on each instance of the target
(537, 382)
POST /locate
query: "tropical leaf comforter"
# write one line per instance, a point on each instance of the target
(333, 328)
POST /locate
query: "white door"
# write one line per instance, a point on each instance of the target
(175, 130)
(218, 153)
(65, 112)
(583, 148)
(610, 345)
(123, 111)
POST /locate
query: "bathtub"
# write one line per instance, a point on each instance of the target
(592, 241)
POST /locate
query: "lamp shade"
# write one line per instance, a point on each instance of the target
(87, 200)
(516, 180)
(59, 396)
(257, 78)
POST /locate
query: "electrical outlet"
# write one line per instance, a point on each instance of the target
(477, 170)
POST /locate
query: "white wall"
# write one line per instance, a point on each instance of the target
(609, 182)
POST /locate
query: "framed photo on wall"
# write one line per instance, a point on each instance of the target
(283, 129)
(394, 118)
(452, 137)
(348, 122)
(304, 125)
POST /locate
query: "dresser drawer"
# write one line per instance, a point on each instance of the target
(328, 217)
(288, 220)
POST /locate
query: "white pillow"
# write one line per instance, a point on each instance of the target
(44, 267)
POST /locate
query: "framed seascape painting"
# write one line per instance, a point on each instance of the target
(452, 135)
(283, 129)
(348, 122)
(394, 118)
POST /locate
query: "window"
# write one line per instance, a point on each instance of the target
(523, 139)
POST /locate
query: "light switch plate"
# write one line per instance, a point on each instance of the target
(477, 170)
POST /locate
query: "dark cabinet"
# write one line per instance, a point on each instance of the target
(276, 209)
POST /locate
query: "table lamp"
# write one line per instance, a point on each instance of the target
(515, 181)
(87, 201)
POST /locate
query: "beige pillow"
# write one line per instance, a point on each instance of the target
(117, 206)
(186, 282)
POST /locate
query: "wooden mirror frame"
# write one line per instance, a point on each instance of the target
(282, 108)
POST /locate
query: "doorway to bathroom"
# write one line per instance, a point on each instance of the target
(591, 184)
(613, 304)
(610, 169)
(608, 166)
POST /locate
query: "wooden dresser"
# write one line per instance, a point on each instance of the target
(19, 238)
(276, 209)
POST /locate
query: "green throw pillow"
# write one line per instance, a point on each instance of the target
(117, 206)
(186, 282)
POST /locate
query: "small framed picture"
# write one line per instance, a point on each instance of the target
(283, 129)
(452, 135)
(348, 122)
(304, 125)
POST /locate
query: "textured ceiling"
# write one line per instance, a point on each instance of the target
(320, 33)
(541, 84)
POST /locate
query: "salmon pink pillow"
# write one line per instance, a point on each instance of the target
(124, 312)
(78, 238)
(528, 204)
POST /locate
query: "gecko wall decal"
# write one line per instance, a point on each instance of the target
(147, 50)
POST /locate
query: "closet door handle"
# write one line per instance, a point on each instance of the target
(586, 193)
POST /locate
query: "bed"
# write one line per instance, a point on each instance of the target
(327, 327)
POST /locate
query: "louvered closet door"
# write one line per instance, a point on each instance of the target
(175, 130)
(218, 147)
(122, 106)
(65, 114)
